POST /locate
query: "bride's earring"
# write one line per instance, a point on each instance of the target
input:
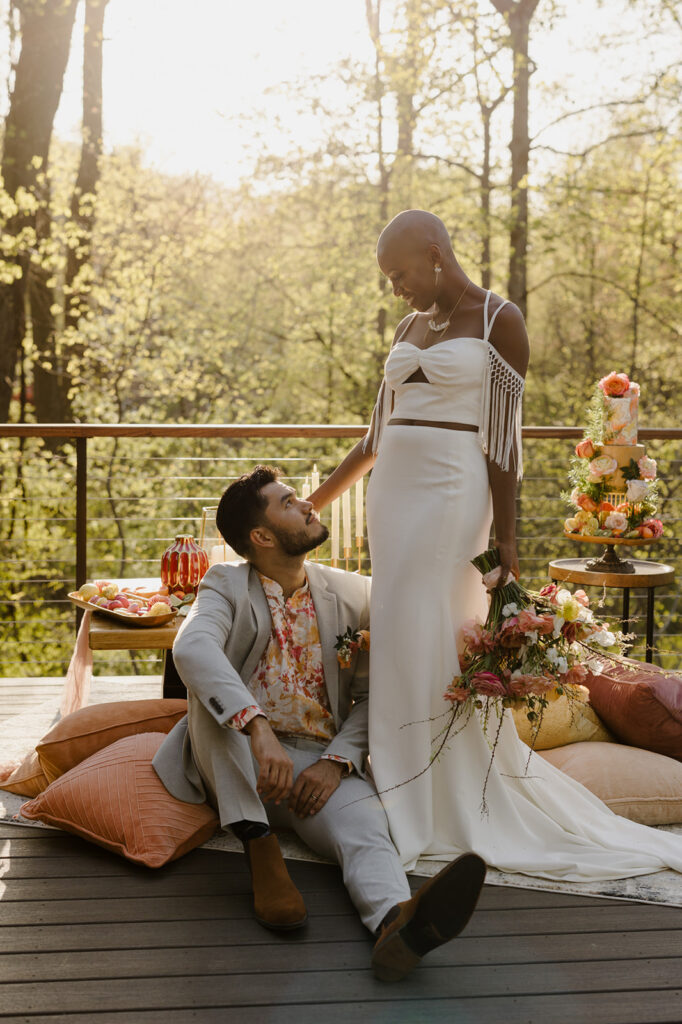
(437, 271)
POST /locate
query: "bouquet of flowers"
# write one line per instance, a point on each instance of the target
(599, 513)
(532, 646)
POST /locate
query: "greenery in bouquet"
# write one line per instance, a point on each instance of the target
(595, 514)
(532, 648)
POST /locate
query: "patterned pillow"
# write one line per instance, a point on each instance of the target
(635, 783)
(89, 729)
(641, 704)
(116, 799)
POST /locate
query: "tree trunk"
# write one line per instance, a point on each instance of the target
(46, 27)
(519, 15)
(83, 198)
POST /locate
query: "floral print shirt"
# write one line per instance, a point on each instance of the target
(288, 683)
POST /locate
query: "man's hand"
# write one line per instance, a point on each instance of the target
(276, 769)
(314, 786)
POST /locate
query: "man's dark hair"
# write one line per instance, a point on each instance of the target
(242, 507)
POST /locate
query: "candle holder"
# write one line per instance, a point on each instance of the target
(212, 541)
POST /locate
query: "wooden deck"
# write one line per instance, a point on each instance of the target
(87, 936)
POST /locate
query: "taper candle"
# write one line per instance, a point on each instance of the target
(335, 532)
(359, 513)
(345, 503)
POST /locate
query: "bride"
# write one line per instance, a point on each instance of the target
(444, 443)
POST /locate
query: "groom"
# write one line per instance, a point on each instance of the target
(276, 728)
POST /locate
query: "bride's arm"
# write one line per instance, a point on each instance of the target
(510, 339)
(354, 466)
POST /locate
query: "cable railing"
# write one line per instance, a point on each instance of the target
(97, 501)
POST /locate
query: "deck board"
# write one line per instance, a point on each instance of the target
(89, 938)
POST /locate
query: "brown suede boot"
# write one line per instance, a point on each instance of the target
(435, 914)
(277, 903)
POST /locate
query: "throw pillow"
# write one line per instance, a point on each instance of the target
(635, 783)
(116, 799)
(92, 728)
(28, 779)
(564, 721)
(641, 704)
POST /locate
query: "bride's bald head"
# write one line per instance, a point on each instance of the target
(416, 230)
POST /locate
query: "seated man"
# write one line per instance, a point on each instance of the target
(276, 730)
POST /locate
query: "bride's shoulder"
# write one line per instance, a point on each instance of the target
(509, 335)
(403, 327)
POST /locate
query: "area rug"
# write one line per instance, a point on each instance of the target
(662, 887)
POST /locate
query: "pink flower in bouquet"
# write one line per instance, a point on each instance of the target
(615, 384)
(549, 591)
(575, 675)
(510, 635)
(576, 630)
(531, 622)
(582, 598)
(617, 522)
(652, 528)
(585, 449)
(585, 502)
(647, 468)
(523, 685)
(487, 684)
(478, 639)
(603, 465)
(457, 694)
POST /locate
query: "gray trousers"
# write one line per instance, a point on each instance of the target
(351, 829)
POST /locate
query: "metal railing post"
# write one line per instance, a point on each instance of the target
(81, 516)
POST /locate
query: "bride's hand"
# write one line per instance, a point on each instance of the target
(509, 562)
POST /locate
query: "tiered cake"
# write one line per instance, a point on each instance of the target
(614, 489)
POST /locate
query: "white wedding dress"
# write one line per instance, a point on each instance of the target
(429, 513)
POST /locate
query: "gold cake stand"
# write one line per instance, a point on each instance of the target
(610, 560)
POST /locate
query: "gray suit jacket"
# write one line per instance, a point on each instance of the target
(221, 642)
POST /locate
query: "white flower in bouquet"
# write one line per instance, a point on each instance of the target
(637, 490)
(510, 609)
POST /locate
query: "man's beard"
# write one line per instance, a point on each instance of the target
(300, 543)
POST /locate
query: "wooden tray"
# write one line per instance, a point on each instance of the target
(583, 538)
(117, 614)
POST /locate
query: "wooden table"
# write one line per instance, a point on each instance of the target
(647, 575)
(108, 635)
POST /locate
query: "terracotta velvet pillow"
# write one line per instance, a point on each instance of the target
(89, 729)
(28, 779)
(635, 783)
(116, 799)
(641, 704)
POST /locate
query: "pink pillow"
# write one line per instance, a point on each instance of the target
(116, 799)
(641, 704)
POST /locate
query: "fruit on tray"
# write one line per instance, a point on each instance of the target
(104, 594)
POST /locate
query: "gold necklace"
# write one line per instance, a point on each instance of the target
(440, 328)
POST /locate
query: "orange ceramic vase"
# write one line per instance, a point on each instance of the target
(183, 564)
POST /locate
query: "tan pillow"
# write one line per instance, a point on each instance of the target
(116, 799)
(635, 783)
(28, 779)
(563, 722)
(89, 729)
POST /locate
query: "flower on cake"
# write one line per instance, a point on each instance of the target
(615, 385)
(637, 490)
(652, 528)
(585, 449)
(601, 466)
(616, 522)
(647, 468)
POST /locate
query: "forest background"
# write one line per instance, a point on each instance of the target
(130, 292)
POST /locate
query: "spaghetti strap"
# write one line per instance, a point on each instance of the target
(488, 322)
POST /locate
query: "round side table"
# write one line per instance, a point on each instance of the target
(647, 575)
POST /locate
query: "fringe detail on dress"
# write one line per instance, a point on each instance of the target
(380, 416)
(501, 413)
